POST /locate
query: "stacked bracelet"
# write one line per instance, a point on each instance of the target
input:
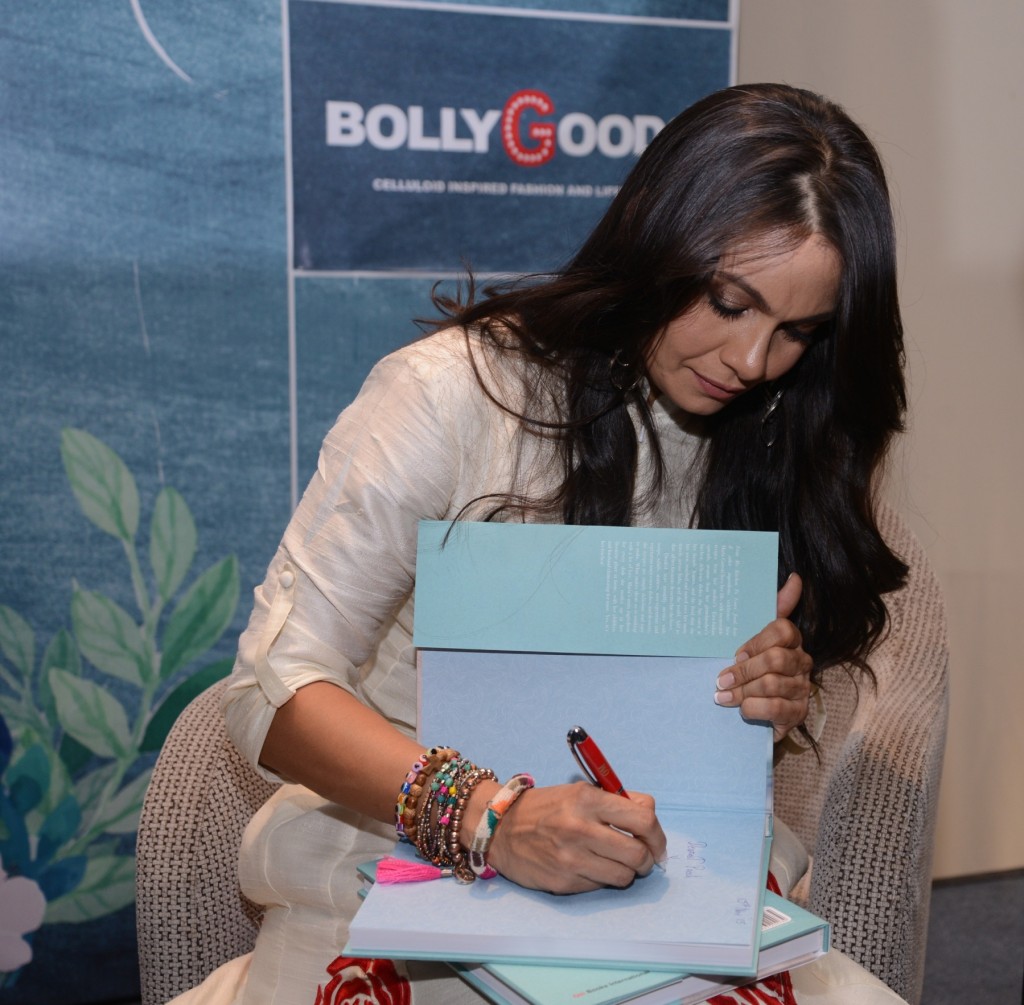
(484, 833)
(462, 872)
(409, 795)
(431, 804)
(433, 813)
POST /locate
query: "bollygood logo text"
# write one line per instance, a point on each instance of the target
(529, 131)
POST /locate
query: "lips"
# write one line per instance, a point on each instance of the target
(719, 392)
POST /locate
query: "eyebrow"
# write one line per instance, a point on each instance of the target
(762, 304)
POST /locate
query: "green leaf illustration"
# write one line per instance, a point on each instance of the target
(160, 725)
(108, 885)
(12, 682)
(60, 779)
(62, 653)
(104, 848)
(109, 638)
(103, 485)
(19, 719)
(172, 541)
(121, 814)
(59, 827)
(73, 755)
(28, 779)
(95, 718)
(74, 740)
(90, 786)
(201, 616)
(17, 640)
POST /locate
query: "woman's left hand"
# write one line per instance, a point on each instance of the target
(771, 679)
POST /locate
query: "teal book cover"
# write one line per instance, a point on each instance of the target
(619, 590)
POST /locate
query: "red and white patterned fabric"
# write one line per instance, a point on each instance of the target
(364, 982)
(777, 990)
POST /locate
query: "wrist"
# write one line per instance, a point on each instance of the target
(502, 802)
(503, 838)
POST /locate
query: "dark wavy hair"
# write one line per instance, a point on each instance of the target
(752, 163)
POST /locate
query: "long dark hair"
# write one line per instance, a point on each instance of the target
(762, 161)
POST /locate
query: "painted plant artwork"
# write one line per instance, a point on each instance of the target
(84, 713)
(144, 346)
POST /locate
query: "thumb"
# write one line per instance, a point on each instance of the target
(789, 596)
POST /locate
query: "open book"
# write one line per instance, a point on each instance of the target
(526, 630)
(790, 937)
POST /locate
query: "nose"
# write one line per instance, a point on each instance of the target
(746, 352)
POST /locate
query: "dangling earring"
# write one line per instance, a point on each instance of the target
(621, 375)
(770, 419)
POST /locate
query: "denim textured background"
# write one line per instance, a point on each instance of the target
(144, 301)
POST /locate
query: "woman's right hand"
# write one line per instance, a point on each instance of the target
(572, 838)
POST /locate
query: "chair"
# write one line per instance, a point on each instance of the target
(865, 809)
(190, 914)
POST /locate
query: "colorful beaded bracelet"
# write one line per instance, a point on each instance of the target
(433, 814)
(408, 796)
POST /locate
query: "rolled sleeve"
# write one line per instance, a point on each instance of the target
(345, 568)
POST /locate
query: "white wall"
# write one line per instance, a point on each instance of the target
(938, 85)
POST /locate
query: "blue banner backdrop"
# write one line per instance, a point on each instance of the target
(423, 138)
(428, 137)
(171, 359)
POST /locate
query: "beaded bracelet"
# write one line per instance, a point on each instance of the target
(484, 833)
(411, 780)
(408, 796)
(405, 804)
(420, 830)
(460, 866)
(435, 808)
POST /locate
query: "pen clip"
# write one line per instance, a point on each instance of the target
(575, 736)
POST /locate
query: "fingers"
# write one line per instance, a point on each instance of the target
(780, 660)
(622, 836)
(789, 596)
(774, 686)
(636, 816)
(781, 633)
(771, 678)
(571, 838)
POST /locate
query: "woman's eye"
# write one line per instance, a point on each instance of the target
(804, 334)
(724, 310)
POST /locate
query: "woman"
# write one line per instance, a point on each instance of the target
(725, 350)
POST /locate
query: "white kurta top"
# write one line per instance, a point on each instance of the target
(421, 440)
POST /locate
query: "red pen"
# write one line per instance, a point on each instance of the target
(596, 767)
(592, 762)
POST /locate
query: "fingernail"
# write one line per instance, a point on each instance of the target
(742, 655)
(726, 680)
(723, 697)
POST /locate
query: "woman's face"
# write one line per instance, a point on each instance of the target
(754, 324)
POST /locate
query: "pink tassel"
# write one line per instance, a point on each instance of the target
(396, 870)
